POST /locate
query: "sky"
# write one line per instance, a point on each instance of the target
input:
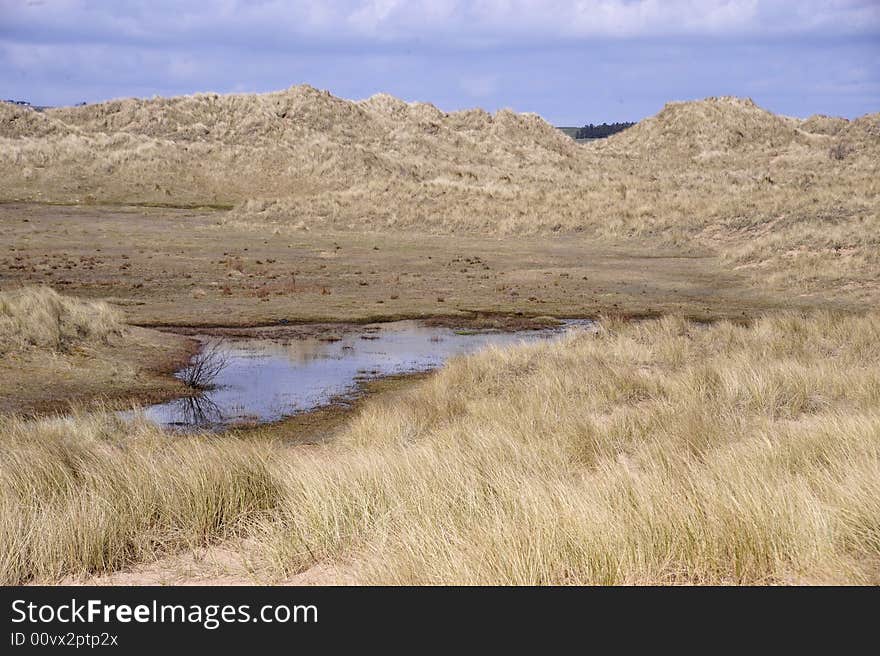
(574, 62)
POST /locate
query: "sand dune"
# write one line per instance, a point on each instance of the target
(228, 149)
(795, 199)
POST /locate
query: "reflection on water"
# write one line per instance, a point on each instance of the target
(265, 380)
(198, 410)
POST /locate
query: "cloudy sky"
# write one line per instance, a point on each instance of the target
(572, 62)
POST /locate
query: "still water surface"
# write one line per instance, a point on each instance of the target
(264, 380)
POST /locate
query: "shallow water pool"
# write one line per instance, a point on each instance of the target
(264, 380)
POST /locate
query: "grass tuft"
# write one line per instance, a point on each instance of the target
(41, 318)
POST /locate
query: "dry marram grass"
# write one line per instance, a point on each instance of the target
(39, 317)
(662, 451)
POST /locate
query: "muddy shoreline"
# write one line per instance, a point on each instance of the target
(477, 320)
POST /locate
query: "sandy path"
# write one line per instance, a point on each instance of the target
(223, 564)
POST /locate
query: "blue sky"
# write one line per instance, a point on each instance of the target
(571, 62)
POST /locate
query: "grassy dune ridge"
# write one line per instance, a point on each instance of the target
(660, 451)
(42, 318)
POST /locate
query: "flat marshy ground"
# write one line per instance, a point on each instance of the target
(186, 267)
(746, 450)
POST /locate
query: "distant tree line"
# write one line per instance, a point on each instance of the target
(591, 131)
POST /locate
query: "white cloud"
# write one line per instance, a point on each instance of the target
(447, 22)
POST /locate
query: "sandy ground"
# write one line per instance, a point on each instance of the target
(215, 565)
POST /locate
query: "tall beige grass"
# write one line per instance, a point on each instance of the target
(93, 494)
(658, 452)
(41, 318)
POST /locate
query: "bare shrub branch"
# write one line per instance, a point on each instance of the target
(205, 366)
